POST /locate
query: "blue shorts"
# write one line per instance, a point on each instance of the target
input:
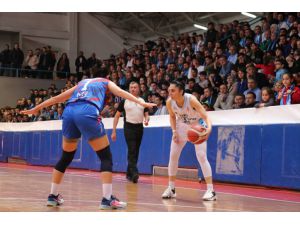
(82, 118)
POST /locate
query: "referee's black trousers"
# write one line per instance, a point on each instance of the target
(133, 136)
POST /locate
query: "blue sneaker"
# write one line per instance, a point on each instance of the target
(113, 203)
(55, 200)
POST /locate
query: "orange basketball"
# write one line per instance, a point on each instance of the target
(196, 133)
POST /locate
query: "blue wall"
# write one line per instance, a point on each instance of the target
(252, 154)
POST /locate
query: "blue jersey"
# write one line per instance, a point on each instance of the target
(91, 90)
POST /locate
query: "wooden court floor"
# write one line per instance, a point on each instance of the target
(25, 189)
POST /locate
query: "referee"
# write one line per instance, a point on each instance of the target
(134, 116)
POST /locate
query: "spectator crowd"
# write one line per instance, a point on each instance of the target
(231, 66)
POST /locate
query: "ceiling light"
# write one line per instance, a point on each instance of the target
(200, 27)
(249, 15)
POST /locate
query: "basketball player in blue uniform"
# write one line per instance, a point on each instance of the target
(81, 116)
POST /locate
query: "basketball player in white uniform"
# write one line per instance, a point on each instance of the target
(185, 110)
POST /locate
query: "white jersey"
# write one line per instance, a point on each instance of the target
(185, 117)
(185, 114)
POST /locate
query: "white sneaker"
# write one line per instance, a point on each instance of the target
(169, 193)
(210, 195)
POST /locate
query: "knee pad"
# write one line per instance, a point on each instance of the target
(65, 161)
(106, 159)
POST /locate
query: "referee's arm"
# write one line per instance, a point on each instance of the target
(116, 120)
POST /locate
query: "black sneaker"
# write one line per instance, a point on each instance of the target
(135, 178)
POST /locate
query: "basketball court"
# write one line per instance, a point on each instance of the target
(25, 188)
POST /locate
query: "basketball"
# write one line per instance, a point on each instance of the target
(195, 134)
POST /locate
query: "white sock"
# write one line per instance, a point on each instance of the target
(172, 184)
(107, 190)
(210, 187)
(54, 187)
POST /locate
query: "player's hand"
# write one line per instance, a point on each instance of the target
(175, 137)
(33, 111)
(148, 105)
(146, 122)
(207, 134)
(113, 136)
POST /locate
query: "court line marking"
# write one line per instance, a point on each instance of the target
(124, 181)
(133, 203)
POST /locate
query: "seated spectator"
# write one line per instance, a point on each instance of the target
(267, 98)
(215, 81)
(261, 79)
(239, 101)
(242, 84)
(193, 86)
(267, 67)
(292, 66)
(233, 56)
(252, 87)
(232, 85)
(208, 97)
(161, 109)
(250, 101)
(224, 100)
(289, 94)
(256, 55)
(225, 66)
(280, 69)
(203, 82)
(297, 79)
(276, 88)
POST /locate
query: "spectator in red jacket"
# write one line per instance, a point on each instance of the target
(289, 94)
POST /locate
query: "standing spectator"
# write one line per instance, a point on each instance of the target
(134, 116)
(44, 63)
(81, 65)
(63, 66)
(92, 61)
(17, 58)
(5, 61)
(211, 34)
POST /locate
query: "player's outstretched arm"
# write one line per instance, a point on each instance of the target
(172, 120)
(124, 94)
(51, 101)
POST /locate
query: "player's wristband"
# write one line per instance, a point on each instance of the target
(174, 131)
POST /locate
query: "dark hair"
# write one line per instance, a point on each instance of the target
(252, 93)
(241, 95)
(179, 85)
(192, 79)
(134, 82)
